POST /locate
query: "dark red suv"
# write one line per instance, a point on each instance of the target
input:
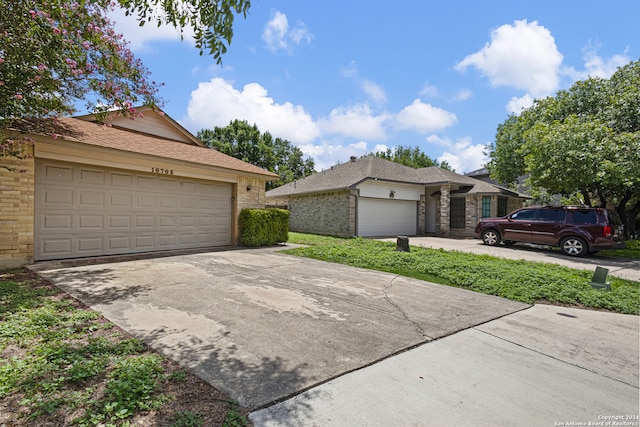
(577, 230)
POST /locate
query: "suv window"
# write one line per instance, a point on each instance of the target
(614, 218)
(585, 217)
(524, 214)
(552, 215)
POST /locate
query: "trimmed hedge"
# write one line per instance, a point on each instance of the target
(263, 227)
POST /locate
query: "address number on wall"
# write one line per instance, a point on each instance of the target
(162, 171)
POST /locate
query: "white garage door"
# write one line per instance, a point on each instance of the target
(380, 217)
(87, 211)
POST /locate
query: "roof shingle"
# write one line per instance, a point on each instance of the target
(82, 131)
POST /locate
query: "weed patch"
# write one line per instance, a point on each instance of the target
(517, 280)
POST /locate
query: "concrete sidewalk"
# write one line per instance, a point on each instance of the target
(544, 366)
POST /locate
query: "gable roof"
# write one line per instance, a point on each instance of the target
(349, 175)
(150, 121)
(80, 130)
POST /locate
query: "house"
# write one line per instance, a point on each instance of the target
(131, 186)
(371, 196)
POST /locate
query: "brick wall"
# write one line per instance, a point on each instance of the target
(330, 213)
(16, 211)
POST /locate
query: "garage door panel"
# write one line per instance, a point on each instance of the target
(120, 200)
(58, 173)
(120, 222)
(62, 197)
(61, 245)
(92, 177)
(90, 199)
(87, 211)
(146, 242)
(145, 221)
(90, 222)
(90, 245)
(382, 217)
(144, 201)
(118, 179)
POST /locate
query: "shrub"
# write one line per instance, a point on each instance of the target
(263, 227)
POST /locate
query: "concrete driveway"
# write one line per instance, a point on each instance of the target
(264, 326)
(302, 342)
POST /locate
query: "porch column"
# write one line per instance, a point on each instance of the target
(445, 209)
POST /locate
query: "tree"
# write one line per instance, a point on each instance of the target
(245, 142)
(56, 53)
(52, 57)
(210, 20)
(412, 157)
(584, 141)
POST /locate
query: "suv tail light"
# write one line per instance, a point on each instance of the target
(606, 230)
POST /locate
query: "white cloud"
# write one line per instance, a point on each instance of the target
(327, 154)
(279, 36)
(523, 55)
(462, 155)
(516, 105)
(597, 66)
(429, 90)
(141, 37)
(421, 117)
(462, 95)
(374, 91)
(357, 121)
(217, 102)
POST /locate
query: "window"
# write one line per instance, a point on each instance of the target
(524, 214)
(502, 206)
(585, 217)
(486, 206)
(457, 213)
(552, 215)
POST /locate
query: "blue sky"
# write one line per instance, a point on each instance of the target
(340, 78)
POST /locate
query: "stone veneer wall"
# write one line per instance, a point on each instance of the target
(331, 213)
(16, 211)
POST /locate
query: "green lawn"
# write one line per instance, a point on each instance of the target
(518, 280)
(64, 364)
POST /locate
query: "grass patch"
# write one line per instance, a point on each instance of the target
(517, 280)
(632, 250)
(64, 364)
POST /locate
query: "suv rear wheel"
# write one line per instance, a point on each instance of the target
(491, 237)
(574, 246)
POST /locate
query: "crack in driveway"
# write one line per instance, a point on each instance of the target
(399, 309)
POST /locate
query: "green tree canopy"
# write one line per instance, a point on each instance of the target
(51, 57)
(210, 20)
(54, 54)
(410, 156)
(583, 141)
(245, 142)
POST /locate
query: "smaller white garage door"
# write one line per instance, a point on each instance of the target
(88, 211)
(382, 217)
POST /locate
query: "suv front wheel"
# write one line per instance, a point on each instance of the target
(491, 237)
(574, 246)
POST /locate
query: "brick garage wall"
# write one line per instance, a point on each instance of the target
(16, 210)
(331, 213)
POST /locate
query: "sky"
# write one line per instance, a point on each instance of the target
(350, 78)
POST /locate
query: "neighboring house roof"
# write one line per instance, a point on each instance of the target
(349, 175)
(91, 133)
